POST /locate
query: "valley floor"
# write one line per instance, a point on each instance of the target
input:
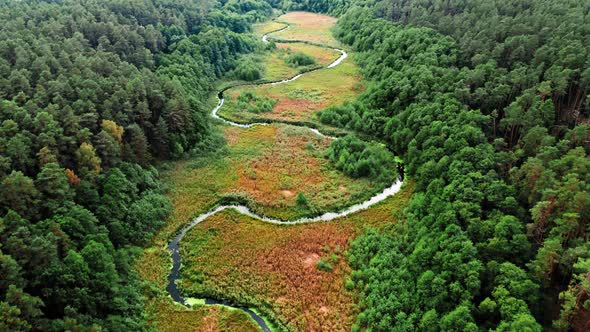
(294, 275)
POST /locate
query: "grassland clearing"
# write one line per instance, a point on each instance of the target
(301, 99)
(315, 28)
(275, 65)
(260, 29)
(167, 316)
(268, 165)
(278, 268)
(295, 275)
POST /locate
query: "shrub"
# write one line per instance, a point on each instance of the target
(349, 284)
(361, 159)
(248, 70)
(325, 266)
(301, 200)
(299, 59)
(250, 102)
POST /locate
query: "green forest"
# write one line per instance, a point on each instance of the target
(92, 93)
(486, 102)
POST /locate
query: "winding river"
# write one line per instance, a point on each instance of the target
(173, 246)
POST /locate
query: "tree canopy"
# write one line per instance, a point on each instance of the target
(487, 105)
(91, 94)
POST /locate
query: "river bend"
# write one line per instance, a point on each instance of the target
(173, 246)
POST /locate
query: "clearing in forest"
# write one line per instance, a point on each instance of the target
(269, 166)
(295, 274)
(275, 62)
(300, 100)
(309, 27)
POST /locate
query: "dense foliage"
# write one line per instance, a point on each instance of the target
(248, 70)
(334, 7)
(487, 103)
(358, 158)
(90, 93)
(251, 102)
(299, 59)
(353, 115)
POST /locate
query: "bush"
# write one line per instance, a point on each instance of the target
(360, 159)
(250, 102)
(349, 284)
(325, 266)
(301, 199)
(299, 59)
(248, 70)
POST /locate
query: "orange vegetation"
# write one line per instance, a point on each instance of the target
(309, 27)
(284, 166)
(274, 267)
(261, 163)
(292, 163)
(166, 316)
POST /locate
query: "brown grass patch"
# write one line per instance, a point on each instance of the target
(166, 316)
(254, 260)
(274, 267)
(286, 167)
(232, 135)
(293, 109)
(310, 260)
(309, 27)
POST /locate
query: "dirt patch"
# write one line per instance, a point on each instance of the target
(343, 187)
(287, 193)
(311, 260)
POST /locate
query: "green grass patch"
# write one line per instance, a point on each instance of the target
(191, 301)
(299, 100)
(249, 101)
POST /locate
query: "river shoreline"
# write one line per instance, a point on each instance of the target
(174, 245)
